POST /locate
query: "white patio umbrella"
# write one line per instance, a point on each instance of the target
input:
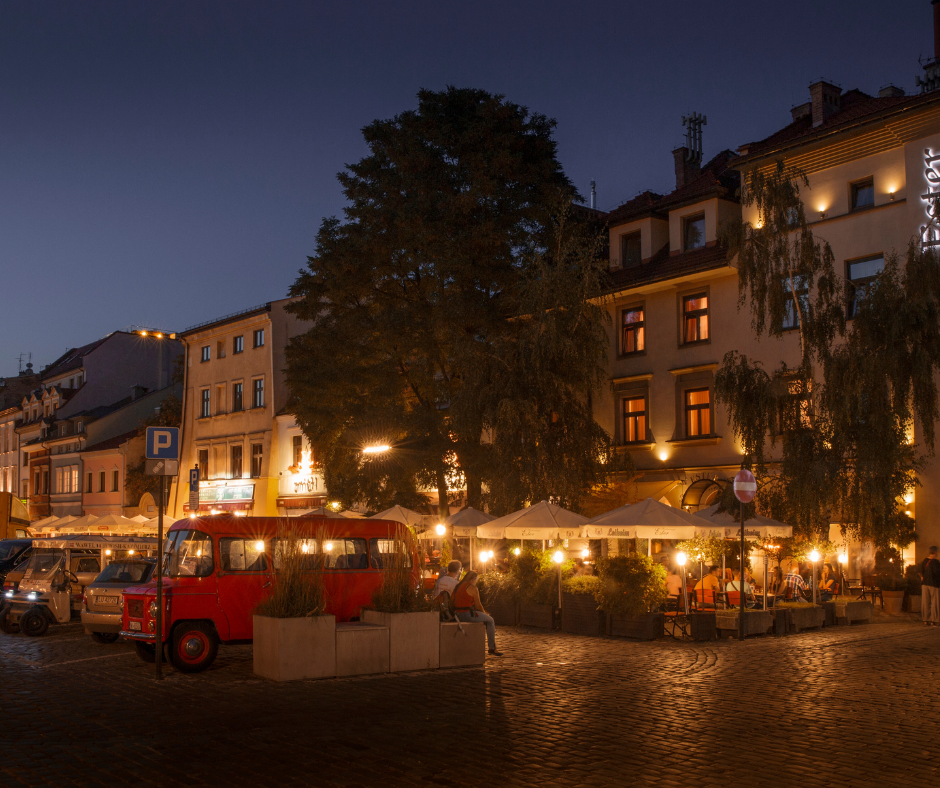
(153, 523)
(140, 518)
(544, 520)
(647, 519)
(349, 514)
(466, 521)
(756, 526)
(37, 525)
(78, 525)
(112, 523)
(321, 511)
(402, 515)
(53, 524)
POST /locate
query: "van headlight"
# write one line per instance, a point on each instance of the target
(9, 595)
(152, 610)
(31, 596)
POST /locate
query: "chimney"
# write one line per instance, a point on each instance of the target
(801, 111)
(890, 91)
(825, 99)
(688, 158)
(593, 195)
(686, 170)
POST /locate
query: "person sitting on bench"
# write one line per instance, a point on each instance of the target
(470, 609)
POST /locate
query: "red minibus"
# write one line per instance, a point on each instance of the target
(217, 569)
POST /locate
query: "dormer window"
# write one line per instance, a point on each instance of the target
(693, 232)
(630, 249)
(863, 194)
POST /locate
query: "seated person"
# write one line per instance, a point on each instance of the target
(707, 588)
(470, 609)
(673, 583)
(827, 583)
(735, 585)
(447, 581)
(794, 587)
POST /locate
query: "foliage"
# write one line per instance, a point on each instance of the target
(841, 409)
(497, 586)
(913, 580)
(630, 585)
(713, 547)
(533, 577)
(398, 591)
(799, 548)
(298, 581)
(585, 585)
(604, 498)
(452, 233)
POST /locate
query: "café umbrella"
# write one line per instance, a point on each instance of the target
(647, 519)
(756, 526)
(401, 514)
(544, 520)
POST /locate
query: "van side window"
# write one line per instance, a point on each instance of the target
(86, 565)
(242, 555)
(382, 550)
(307, 550)
(345, 553)
(188, 554)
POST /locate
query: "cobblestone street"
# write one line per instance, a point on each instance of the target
(841, 707)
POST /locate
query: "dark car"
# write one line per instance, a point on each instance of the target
(13, 552)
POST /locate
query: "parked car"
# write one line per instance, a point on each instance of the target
(103, 601)
(217, 569)
(13, 552)
(55, 577)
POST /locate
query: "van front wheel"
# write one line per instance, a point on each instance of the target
(194, 646)
(34, 622)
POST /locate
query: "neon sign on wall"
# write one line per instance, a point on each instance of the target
(930, 232)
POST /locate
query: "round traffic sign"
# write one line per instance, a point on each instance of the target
(745, 486)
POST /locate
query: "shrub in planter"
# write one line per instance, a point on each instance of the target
(535, 579)
(912, 588)
(498, 592)
(629, 588)
(579, 612)
(293, 639)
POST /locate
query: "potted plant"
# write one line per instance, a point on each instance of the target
(629, 588)
(534, 578)
(402, 606)
(498, 592)
(293, 637)
(913, 582)
(579, 611)
(890, 579)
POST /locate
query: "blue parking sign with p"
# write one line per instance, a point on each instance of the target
(163, 443)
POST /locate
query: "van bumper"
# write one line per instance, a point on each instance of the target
(146, 637)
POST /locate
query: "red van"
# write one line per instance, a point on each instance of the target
(217, 569)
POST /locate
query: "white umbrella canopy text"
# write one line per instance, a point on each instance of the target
(647, 519)
(544, 520)
(466, 521)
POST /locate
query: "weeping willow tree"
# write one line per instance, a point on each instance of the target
(837, 414)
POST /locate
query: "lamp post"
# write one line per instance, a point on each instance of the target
(680, 559)
(558, 557)
(843, 560)
(517, 551)
(814, 557)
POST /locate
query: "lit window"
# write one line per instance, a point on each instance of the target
(695, 318)
(630, 249)
(206, 353)
(634, 330)
(863, 194)
(861, 275)
(693, 232)
(697, 413)
(634, 420)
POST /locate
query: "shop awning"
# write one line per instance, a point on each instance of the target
(543, 521)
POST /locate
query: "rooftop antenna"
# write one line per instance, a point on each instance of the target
(693, 136)
(20, 357)
(593, 195)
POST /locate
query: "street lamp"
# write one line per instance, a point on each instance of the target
(585, 553)
(681, 559)
(558, 557)
(440, 529)
(376, 449)
(517, 551)
(843, 560)
(814, 557)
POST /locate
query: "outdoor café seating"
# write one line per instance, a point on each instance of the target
(871, 590)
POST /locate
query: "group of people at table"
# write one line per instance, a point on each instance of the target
(715, 587)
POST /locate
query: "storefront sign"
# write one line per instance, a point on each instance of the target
(930, 232)
(242, 492)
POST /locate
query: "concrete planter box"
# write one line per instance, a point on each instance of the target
(463, 645)
(894, 602)
(781, 621)
(580, 616)
(801, 618)
(830, 611)
(361, 648)
(756, 622)
(541, 616)
(413, 638)
(505, 612)
(703, 626)
(848, 612)
(647, 626)
(913, 603)
(286, 649)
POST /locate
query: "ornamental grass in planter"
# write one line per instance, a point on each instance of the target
(803, 615)
(629, 588)
(580, 614)
(402, 605)
(293, 636)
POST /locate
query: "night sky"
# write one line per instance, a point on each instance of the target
(165, 163)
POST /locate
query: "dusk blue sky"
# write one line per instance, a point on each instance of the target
(165, 163)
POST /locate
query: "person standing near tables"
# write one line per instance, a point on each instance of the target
(930, 590)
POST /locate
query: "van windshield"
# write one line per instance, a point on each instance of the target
(187, 554)
(42, 563)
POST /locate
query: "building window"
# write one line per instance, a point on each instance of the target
(220, 399)
(634, 420)
(203, 463)
(75, 487)
(298, 446)
(88, 478)
(863, 194)
(634, 330)
(861, 274)
(795, 408)
(59, 485)
(115, 480)
(697, 413)
(204, 405)
(630, 249)
(693, 232)
(791, 318)
(259, 338)
(257, 393)
(206, 353)
(101, 477)
(236, 467)
(237, 403)
(238, 344)
(695, 318)
(256, 455)
(220, 349)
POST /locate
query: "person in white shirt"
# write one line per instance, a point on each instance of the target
(735, 585)
(448, 582)
(673, 583)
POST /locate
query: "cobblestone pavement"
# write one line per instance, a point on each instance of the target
(840, 707)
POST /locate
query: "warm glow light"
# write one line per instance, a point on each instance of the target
(814, 556)
(908, 497)
(199, 554)
(843, 558)
(158, 335)
(680, 559)
(259, 546)
(306, 464)
(304, 548)
(213, 511)
(484, 556)
(585, 553)
(241, 514)
(143, 333)
(558, 557)
(107, 552)
(517, 551)
(440, 529)
(328, 547)
(663, 456)
(130, 552)
(335, 505)
(192, 515)
(376, 449)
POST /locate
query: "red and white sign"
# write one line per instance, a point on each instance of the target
(745, 486)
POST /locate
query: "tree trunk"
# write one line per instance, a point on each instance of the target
(443, 508)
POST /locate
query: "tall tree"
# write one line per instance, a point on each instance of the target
(412, 295)
(842, 415)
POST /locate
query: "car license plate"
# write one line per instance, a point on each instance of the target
(107, 600)
(134, 626)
